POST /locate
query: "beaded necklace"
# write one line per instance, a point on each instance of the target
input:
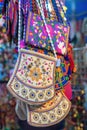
(56, 11)
(60, 10)
(63, 12)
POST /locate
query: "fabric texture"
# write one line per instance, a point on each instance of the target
(58, 32)
(50, 113)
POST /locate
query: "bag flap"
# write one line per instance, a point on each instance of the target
(34, 69)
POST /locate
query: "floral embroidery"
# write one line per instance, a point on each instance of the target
(35, 74)
(38, 36)
(36, 70)
(49, 113)
(62, 47)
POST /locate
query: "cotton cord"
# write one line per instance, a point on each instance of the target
(25, 17)
(19, 25)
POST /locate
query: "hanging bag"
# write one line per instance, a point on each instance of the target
(37, 35)
(33, 78)
(50, 113)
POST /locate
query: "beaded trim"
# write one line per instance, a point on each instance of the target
(57, 10)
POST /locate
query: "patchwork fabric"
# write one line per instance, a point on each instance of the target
(37, 35)
(33, 79)
(49, 113)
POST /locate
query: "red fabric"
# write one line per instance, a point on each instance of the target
(70, 56)
(1, 0)
(68, 90)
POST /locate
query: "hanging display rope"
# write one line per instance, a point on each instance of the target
(25, 17)
(19, 26)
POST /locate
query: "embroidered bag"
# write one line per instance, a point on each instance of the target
(29, 70)
(64, 70)
(58, 32)
(33, 77)
(50, 113)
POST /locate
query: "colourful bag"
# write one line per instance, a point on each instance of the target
(33, 79)
(50, 113)
(37, 35)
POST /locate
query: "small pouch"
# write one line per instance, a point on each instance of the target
(50, 113)
(33, 79)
